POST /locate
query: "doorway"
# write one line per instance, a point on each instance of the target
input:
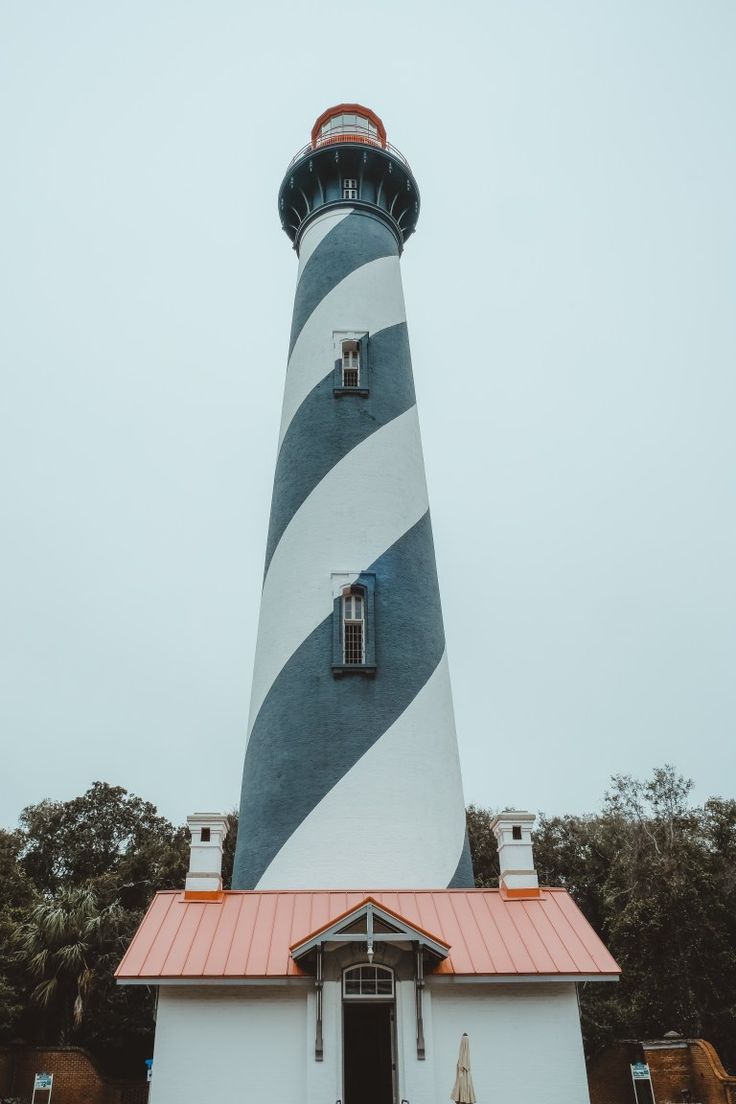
(368, 1052)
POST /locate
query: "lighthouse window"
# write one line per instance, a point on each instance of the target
(349, 188)
(352, 367)
(350, 364)
(353, 629)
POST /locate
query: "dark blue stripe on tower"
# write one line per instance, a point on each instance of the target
(354, 242)
(325, 428)
(463, 878)
(310, 731)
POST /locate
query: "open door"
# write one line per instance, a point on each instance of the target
(368, 1045)
(368, 1053)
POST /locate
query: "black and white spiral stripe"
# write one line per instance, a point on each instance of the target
(356, 781)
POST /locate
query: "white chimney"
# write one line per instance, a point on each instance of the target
(204, 879)
(513, 832)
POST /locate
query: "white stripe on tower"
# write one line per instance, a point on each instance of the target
(394, 822)
(316, 231)
(337, 529)
(350, 780)
(371, 297)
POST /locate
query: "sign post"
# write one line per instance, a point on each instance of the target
(642, 1079)
(43, 1083)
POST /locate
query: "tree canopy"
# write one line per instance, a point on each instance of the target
(654, 873)
(656, 877)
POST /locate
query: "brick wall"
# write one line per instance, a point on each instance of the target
(711, 1084)
(76, 1078)
(669, 1067)
(677, 1064)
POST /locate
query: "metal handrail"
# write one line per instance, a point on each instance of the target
(348, 136)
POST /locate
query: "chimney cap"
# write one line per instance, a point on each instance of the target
(208, 818)
(514, 816)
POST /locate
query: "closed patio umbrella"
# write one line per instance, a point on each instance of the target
(463, 1091)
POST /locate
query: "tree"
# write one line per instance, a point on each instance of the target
(483, 848)
(18, 896)
(65, 944)
(103, 854)
(655, 877)
(107, 838)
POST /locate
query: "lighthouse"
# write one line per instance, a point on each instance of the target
(351, 770)
(352, 958)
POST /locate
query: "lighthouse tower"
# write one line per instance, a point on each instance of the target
(351, 774)
(353, 959)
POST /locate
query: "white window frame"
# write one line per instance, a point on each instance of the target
(368, 996)
(353, 364)
(338, 337)
(353, 598)
(349, 187)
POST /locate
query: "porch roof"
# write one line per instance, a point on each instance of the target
(248, 935)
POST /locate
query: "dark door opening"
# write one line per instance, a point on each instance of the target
(368, 1052)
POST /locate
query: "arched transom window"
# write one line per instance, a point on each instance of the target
(368, 981)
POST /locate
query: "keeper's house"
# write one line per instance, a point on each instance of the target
(309, 997)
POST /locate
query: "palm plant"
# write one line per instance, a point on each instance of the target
(63, 944)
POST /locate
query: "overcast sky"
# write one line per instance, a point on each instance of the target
(571, 303)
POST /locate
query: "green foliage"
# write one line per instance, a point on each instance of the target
(482, 846)
(654, 874)
(107, 838)
(17, 898)
(66, 945)
(228, 849)
(77, 877)
(656, 877)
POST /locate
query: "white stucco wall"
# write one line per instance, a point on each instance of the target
(525, 1042)
(256, 1044)
(239, 1044)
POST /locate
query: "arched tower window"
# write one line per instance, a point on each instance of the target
(353, 624)
(353, 627)
(351, 364)
(366, 982)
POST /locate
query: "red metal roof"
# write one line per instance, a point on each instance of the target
(248, 934)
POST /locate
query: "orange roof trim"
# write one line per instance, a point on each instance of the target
(356, 908)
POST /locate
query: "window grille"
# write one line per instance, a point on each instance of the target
(353, 625)
(349, 188)
(350, 364)
(368, 981)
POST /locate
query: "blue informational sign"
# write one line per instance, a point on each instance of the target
(43, 1081)
(640, 1071)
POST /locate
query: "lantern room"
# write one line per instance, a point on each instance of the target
(348, 123)
(349, 161)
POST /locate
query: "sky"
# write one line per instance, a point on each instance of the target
(570, 294)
